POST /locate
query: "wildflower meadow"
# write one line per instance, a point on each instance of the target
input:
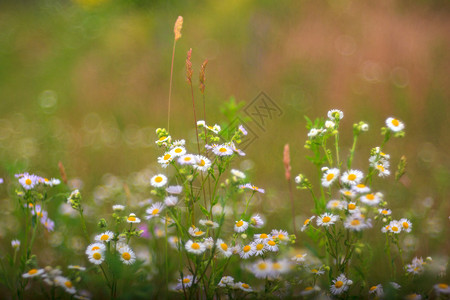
(335, 216)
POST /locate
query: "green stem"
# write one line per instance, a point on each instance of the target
(336, 142)
(352, 152)
(83, 225)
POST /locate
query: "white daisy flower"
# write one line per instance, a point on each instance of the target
(15, 244)
(174, 242)
(355, 222)
(154, 210)
(238, 173)
(261, 268)
(340, 285)
(395, 227)
(127, 255)
(317, 271)
(187, 159)
(186, 281)
(360, 188)
(313, 132)
(247, 251)
(118, 207)
(335, 114)
(243, 286)
(202, 163)
(262, 237)
(240, 226)
(28, 181)
(178, 143)
(441, 288)
(383, 169)
(170, 201)
(76, 267)
(256, 221)
(33, 273)
(326, 219)
(299, 258)
(281, 235)
(385, 228)
(216, 128)
(259, 248)
(158, 180)
(96, 257)
(352, 177)
(133, 219)
(163, 139)
(413, 296)
(201, 123)
(394, 124)
(95, 247)
(272, 246)
(370, 199)
(351, 207)
(242, 130)
(309, 290)
(104, 237)
(348, 193)
(209, 243)
(66, 284)
(307, 223)
(395, 285)
(406, 224)
(195, 247)
(329, 176)
(280, 267)
(251, 187)
(384, 211)
(222, 150)
(329, 124)
(165, 159)
(336, 204)
(177, 151)
(194, 231)
(174, 189)
(377, 290)
(226, 281)
(209, 223)
(223, 248)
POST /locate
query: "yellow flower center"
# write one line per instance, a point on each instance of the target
(259, 247)
(202, 163)
(443, 286)
(271, 243)
(187, 158)
(394, 228)
(384, 212)
(104, 237)
(276, 266)
(347, 193)
(167, 156)
(308, 288)
(338, 284)
(247, 248)
(222, 150)
(355, 222)
(373, 288)
(351, 177)
(28, 181)
(158, 179)
(361, 186)
(95, 248)
(281, 236)
(178, 150)
(224, 246)
(186, 280)
(395, 122)
(263, 236)
(405, 225)
(155, 211)
(162, 138)
(68, 284)
(306, 222)
(351, 206)
(326, 219)
(195, 246)
(126, 256)
(199, 232)
(245, 286)
(299, 255)
(240, 223)
(132, 219)
(97, 256)
(370, 197)
(32, 271)
(335, 203)
(314, 270)
(262, 266)
(330, 176)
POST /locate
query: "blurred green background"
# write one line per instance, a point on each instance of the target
(86, 83)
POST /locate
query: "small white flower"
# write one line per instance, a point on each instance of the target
(352, 177)
(133, 219)
(66, 284)
(170, 201)
(186, 281)
(201, 123)
(28, 181)
(187, 159)
(406, 224)
(335, 114)
(339, 285)
(240, 226)
(118, 207)
(95, 247)
(177, 151)
(256, 221)
(127, 255)
(329, 124)
(395, 227)
(158, 180)
(365, 127)
(223, 248)
(202, 163)
(336, 204)
(104, 237)
(307, 223)
(261, 268)
(174, 189)
(242, 130)
(96, 257)
(442, 288)
(394, 124)
(194, 231)
(355, 222)
(195, 247)
(243, 286)
(76, 267)
(15, 244)
(154, 210)
(222, 150)
(33, 273)
(313, 132)
(226, 281)
(370, 199)
(360, 188)
(329, 176)
(299, 258)
(326, 219)
(247, 251)
(238, 173)
(259, 248)
(377, 290)
(252, 187)
(209, 223)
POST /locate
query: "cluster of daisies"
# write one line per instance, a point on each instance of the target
(96, 251)
(29, 181)
(42, 216)
(54, 277)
